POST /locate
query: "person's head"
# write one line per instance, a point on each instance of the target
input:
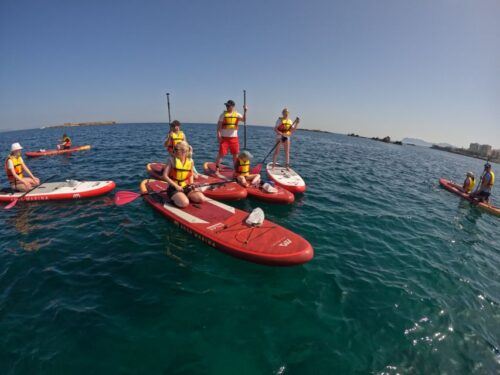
(245, 155)
(487, 167)
(175, 126)
(181, 149)
(15, 149)
(230, 104)
(470, 174)
(285, 112)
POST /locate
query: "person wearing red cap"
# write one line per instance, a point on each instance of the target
(227, 132)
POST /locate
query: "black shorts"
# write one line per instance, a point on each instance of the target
(171, 191)
(484, 194)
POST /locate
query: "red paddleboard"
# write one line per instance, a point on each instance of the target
(36, 154)
(282, 196)
(286, 178)
(66, 190)
(231, 191)
(224, 228)
(455, 188)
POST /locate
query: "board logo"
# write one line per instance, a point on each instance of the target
(215, 226)
(285, 242)
(76, 196)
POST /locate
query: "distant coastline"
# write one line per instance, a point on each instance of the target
(73, 124)
(386, 139)
(465, 152)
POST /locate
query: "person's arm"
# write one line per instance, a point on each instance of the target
(295, 125)
(166, 177)
(219, 126)
(276, 126)
(27, 170)
(244, 117)
(165, 144)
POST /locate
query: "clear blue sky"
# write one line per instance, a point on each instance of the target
(428, 69)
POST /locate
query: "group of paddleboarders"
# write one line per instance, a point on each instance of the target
(483, 190)
(180, 170)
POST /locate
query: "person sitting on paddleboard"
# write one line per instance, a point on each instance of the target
(65, 143)
(175, 136)
(179, 175)
(14, 168)
(485, 185)
(469, 183)
(227, 132)
(242, 170)
(284, 129)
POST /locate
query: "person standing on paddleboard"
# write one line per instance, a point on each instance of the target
(485, 185)
(284, 129)
(175, 136)
(65, 143)
(14, 168)
(179, 175)
(227, 132)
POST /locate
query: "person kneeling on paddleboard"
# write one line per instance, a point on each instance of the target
(175, 136)
(65, 143)
(227, 133)
(179, 175)
(284, 129)
(242, 170)
(469, 183)
(485, 185)
(14, 168)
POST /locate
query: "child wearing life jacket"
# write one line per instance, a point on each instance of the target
(179, 175)
(175, 136)
(242, 170)
(14, 168)
(65, 143)
(284, 129)
(469, 183)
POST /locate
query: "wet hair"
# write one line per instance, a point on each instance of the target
(175, 123)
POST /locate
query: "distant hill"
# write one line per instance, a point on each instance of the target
(417, 142)
(422, 143)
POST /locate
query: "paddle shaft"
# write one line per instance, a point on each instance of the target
(29, 191)
(168, 106)
(245, 122)
(274, 147)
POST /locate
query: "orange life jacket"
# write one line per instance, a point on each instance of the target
(173, 139)
(230, 120)
(242, 167)
(286, 126)
(180, 172)
(18, 168)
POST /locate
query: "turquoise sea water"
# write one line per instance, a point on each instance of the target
(404, 280)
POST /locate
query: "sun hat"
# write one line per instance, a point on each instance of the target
(230, 103)
(15, 147)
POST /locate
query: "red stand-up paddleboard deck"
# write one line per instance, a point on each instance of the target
(36, 154)
(67, 190)
(286, 178)
(282, 196)
(455, 188)
(231, 191)
(224, 228)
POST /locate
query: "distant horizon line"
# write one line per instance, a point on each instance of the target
(210, 123)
